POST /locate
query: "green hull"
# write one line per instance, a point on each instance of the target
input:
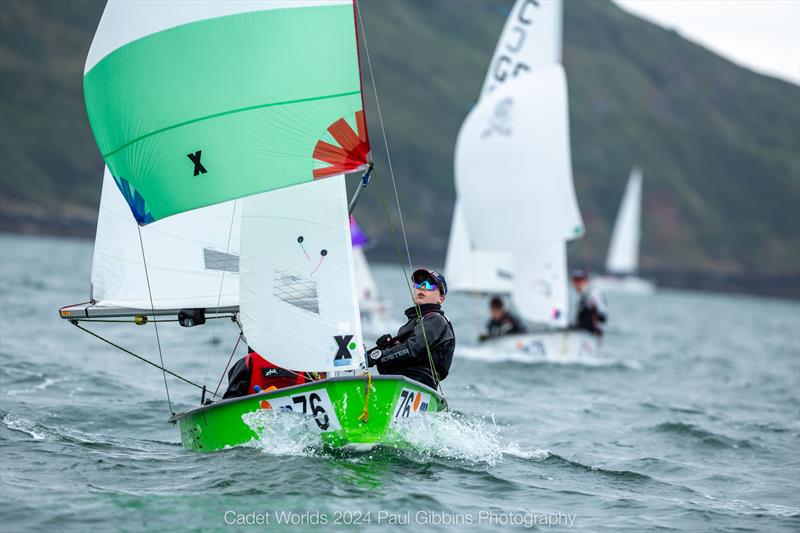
(336, 404)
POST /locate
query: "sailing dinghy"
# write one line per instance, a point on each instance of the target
(226, 135)
(623, 252)
(516, 208)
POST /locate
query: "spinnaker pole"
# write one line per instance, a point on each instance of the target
(363, 185)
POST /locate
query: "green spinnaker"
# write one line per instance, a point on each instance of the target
(252, 93)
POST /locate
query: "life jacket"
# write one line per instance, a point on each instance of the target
(266, 375)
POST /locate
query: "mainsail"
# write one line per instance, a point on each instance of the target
(192, 259)
(513, 165)
(531, 38)
(540, 291)
(623, 252)
(195, 104)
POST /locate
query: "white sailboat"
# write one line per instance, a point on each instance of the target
(375, 319)
(514, 184)
(623, 252)
(227, 135)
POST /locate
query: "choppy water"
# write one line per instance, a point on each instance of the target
(690, 422)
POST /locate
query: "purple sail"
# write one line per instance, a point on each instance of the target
(358, 237)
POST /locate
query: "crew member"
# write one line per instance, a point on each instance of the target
(424, 356)
(253, 373)
(501, 322)
(591, 306)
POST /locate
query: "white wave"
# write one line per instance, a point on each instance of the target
(753, 508)
(451, 435)
(282, 433)
(17, 423)
(491, 355)
(536, 455)
(446, 435)
(41, 386)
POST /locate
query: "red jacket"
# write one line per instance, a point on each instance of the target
(253, 370)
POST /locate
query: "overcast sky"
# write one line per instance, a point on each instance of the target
(762, 35)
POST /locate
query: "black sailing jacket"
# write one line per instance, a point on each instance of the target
(410, 358)
(505, 326)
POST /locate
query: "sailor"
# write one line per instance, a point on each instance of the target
(591, 306)
(424, 356)
(253, 373)
(502, 322)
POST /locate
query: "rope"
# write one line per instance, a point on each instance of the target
(577, 249)
(238, 339)
(221, 284)
(383, 133)
(397, 201)
(410, 292)
(155, 324)
(117, 346)
(365, 413)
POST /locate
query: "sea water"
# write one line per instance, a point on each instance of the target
(688, 420)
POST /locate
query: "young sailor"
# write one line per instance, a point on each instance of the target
(406, 353)
(253, 373)
(591, 306)
(502, 322)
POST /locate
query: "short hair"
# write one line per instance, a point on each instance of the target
(496, 303)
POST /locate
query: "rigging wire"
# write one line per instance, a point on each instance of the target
(577, 249)
(117, 346)
(410, 291)
(406, 279)
(155, 324)
(221, 284)
(238, 339)
(383, 133)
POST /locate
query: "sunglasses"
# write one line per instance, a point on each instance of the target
(426, 286)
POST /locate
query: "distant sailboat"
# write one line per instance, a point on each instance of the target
(374, 311)
(471, 270)
(516, 207)
(623, 252)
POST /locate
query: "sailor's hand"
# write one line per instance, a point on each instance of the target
(384, 342)
(373, 357)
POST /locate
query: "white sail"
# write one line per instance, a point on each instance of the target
(540, 284)
(367, 289)
(192, 258)
(623, 252)
(531, 39)
(470, 270)
(299, 303)
(513, 165)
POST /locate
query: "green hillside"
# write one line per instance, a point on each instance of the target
(719, 144)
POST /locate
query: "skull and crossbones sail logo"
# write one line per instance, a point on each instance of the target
(500, 122)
